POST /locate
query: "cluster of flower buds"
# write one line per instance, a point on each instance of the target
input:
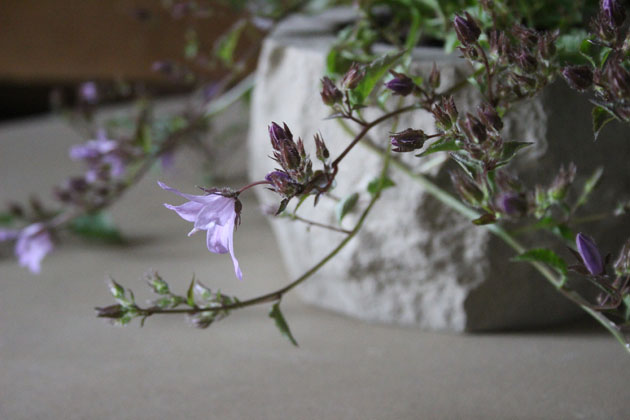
(107, 161)
(296, 175)
(445, 114)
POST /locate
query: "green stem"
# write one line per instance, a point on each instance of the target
(455, 204)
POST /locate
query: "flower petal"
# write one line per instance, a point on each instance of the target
(220, 240)
(32, 246)
(220, 211)
(187, 211)
(203, 199)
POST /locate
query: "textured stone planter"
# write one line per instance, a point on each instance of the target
(416, 261)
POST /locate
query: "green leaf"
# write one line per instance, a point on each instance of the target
(511, 147)
(413, 36)
(190, 294)
(373, 73)
(281, 323)
(467, 164)
(377, 185)
(97, 226)
(546, 256)
(601, 117)
(225, 46)
(345, 206)
(589, 51)
(441, 146)
(589, 186)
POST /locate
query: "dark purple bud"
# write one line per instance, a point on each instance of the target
(590, 254)
(330, 94)
(281, 183)
(352, 77)
(78, 184)
(526, 61)
(527, 36)
(467, 29)
(321, 151)
(512, 203)
(401, 84)
(490, 117)
(546, 44)
(408, 140)
(475, 129)
(466, 188)
(112, 311)
(578, 77)
(613, 13)
(434, 77)
(619, 77)
(277, 135)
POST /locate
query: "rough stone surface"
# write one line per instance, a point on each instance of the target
(416, 261)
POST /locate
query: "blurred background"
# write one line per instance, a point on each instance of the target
(48, 48)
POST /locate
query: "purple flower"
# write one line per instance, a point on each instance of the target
(214, 213)
(401, 84)
(93, 149)
(590, 254)
(33, 243)
(8, 234)
(88, 92)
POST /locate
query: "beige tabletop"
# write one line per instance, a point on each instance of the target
(57, 361)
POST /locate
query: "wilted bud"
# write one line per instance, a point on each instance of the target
(281, 183)
(330, 94)
(321, 151)
(526, 61)
(622, 264)
(467, 30)
(442, 120)
(112, 311)
(578, 77)
(449, 106)
(401, 84)
(490, 117)
(546, 44)
(466, 188)
(512, 203)
(613, 13)
(619, 78)
(434, 77)
(352, 77)
(527, 36)
(474, 129)
(408, 140)
(562, 182)
(590, 255)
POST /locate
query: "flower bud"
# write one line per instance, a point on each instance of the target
(490, 117)
(408, 140)
(401, 84)
(590, 255)
(442, 120)
(352, 77)
(526, 61)
(466, 188)
(281, 183)
(88, 93)
(622, 264)
(321, 151)
(112, 311)
(613, 12)
(561, 183)
(330, 94)
(512, 204)
(434, 77)
(474, 129)
(466, 28)
(578, 77)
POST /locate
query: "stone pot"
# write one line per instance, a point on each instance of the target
(416, 261)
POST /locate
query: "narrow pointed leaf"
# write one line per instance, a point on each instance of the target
(281, 323)
(345, 206)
